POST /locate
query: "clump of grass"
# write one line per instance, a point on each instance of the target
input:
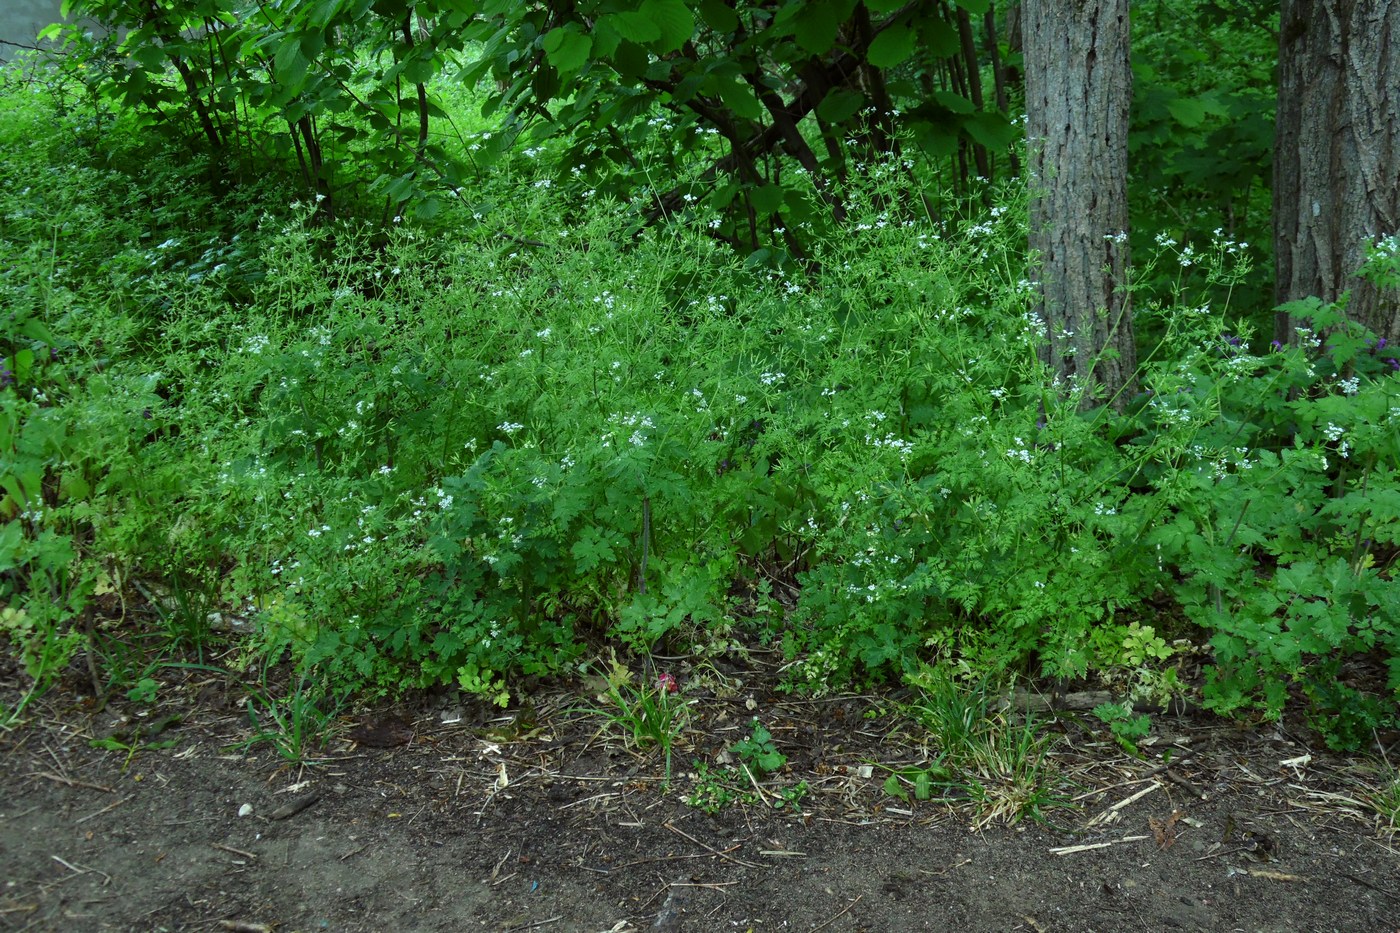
(999, 764)
(649, 716)
(295, 724)
(1385, 798)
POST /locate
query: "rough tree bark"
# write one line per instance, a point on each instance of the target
(1337, 154)
(1078, 88)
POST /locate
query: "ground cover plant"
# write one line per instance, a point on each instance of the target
(471, 446)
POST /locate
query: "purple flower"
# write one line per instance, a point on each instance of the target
(1394, 364)
(7, 378)
(1275, 344)
(1380, 344)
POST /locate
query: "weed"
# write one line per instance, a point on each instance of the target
(139, 738)
(758, 753)
(997, 763)
(292, 725)
(1127, 727)
(649, 716)
(717, 790)
(1008, 776)
(918, 781)
(1385, 800)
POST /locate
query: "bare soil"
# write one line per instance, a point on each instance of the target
(442, 815)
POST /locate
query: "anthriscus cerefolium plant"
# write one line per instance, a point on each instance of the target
(461, 454)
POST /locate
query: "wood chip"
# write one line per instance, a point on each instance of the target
(294, 807)
(1273, 875)
(1072, 850)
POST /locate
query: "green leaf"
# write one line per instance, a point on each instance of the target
(954, 102)
(419, 70)
(323, 12)
(674, 20)
(630, 60)
(22, 363)
(893, 787)
(740, 98)
(566, 48)
(290, 63)
(11, 545)
(840, 105)
(1187, 111)
(766, 199)
(934, 139)
(938, 39)
(992, 130)
(816, 28)
(718, 16)
(891, 47)
(633, 26)
(427, 209)
(149, 56)
(975, 7)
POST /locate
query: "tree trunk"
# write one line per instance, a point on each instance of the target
(1337, 154)
(1078, 87)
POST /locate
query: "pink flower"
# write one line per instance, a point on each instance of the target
(666, 683)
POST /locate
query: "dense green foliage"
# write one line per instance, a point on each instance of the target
(466, 447)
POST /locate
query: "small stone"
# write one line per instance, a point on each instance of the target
(245, 810)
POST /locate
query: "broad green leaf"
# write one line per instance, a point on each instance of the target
(419, 70)
(323, 12)
(975, 7)
(675, 21)
(394, 10)
(840, 105)
(740, 98)
(567, 48)
(766, 199)
(312, 43)
(427, 208)
(934, 139)
(891, 47)
(35, 330)
(990, 129)
(954, 102)
(11, 545)
(22, 364)
(718, 16)
(883, 6)
(633, 26)
(149, 56)
(630, 60)
(290, 64)
(893, 788)
(816, 28)
(938, 39)
(1187, 111)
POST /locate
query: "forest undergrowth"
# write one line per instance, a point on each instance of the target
(471, 450)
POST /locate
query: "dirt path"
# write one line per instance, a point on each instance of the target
(465, 827)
